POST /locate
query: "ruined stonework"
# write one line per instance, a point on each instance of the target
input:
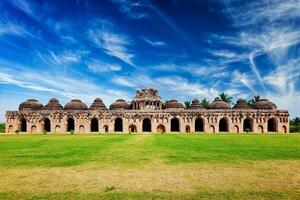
(147, 113)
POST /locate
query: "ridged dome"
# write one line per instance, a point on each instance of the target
(173, 103)
(218, 104)
(98, 105)
(30, 104)
(241, 104)
(196, 104)
(53, 105)
(264, 104)
(75, 104)
(119, 104)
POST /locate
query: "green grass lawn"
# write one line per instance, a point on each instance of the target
(154, 166)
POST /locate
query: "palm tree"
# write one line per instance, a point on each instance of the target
(204, 102)
(187, 104)
(225, 97)
(254, 100)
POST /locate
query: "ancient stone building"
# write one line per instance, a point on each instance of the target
(147, 113)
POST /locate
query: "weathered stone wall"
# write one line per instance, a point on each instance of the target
(234, 119)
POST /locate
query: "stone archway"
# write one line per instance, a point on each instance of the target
(118, 125)
(187, 129)
(33, 129)
(23, 125)
(47, 125)
(272, 125)
(284, 129)
(260, 129)
(161, 128)
(146, 125)
(199, 125)
(57, 129)
(175, 127)
(10, 129)
(248, 125)
(132, 128)
(223, 125)
(212, 129)
(236, 129)
(94, 125)
(81, 129)
(70, 125)
(105, 127)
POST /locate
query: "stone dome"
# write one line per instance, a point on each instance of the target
(264, 104)
(241, 104)
(196, 104)
(31, 104)
(75, 104)
(98, 105)
(119, 104)
(173, 103)
(218, 104)
(53, 104)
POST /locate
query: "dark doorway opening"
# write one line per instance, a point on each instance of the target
(94, 125)
(23, 125)
(146, 125)
(199, 125)
(272, 125)
(47, 125)
(118, 125)
(223, 125)
(248, 125)
(174, 125)
(71, 125)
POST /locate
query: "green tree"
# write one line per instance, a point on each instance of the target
(187, 104)
(254, 100)
(204, 102)
(226, 97)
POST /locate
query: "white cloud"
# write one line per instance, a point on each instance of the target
(64, 57)
(8, 27)
(99, 66)
(154, 43)
(114, 44)
(134, 9)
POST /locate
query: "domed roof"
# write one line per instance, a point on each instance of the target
(119, 104)
(196, 104)
(75, 104)
(218, 104)
(241, 104)
(173, 103)
(98, 105)
(53, 105)
(30, 104)
(264, 104)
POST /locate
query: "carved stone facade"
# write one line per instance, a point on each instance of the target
(146, 113)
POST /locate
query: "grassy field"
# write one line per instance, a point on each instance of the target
(150, 166)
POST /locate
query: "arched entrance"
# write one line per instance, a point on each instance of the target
(146, 125)
(94, 125)
(161, 128)
(81, 129)
(47, 125)
(223, 125)
(33, 129)
(212, 129)
(23, 125)
(272, 125)
(284, 129)
(236, 129)
(248, 125)
(71, 125)
(105, 127)
(199, 125)
(57, 129)
(10, 129)
(187, 129)
(132, 129)
(118, 125)
(175, 125)
(260, 129)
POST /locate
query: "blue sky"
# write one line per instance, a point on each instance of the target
(186, 49)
